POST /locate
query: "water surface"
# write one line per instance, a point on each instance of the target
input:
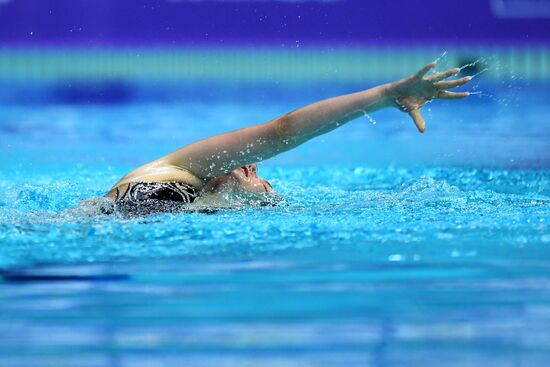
(391, 248)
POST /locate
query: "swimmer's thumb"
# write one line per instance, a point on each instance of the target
(418, 120)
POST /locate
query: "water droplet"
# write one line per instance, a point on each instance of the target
(369, 118)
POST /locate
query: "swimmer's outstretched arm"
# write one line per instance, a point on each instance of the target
(222, 153)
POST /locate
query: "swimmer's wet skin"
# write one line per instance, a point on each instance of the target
(224, 163)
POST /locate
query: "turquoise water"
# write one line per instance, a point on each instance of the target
(393, 248)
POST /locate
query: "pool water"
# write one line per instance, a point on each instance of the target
(392, 248)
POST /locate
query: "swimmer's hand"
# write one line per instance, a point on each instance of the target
(411, 93)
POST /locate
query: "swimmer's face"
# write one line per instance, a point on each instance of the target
(248, 179)
(244, 178)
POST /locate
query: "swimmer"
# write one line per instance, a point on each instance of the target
(226, 163)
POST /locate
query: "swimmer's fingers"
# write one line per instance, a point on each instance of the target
(420, 73)
(445, 94)
(443, 75)
(418, 119)
(449, 84)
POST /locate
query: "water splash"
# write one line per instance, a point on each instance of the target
(440, 57)
(439, 63)
(479, 73)
(369, 118)
(491, 63)
(482, 60)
